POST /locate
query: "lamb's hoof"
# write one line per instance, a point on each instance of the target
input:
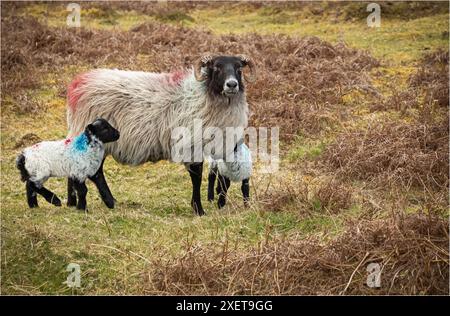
(71, 202)
(109, 203)
(33, 206)
(82, 207)
(221, 202)
(56, 201)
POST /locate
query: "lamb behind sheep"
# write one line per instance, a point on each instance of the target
(238, 170)
(76, 158)
(147, 107)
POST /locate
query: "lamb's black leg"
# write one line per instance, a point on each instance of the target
(31, 195)
(81, 189)
(222, 188)
(48, 195)
(211, 181)
(71, 194)
(245, 188)
(100, 182)
(195, 171)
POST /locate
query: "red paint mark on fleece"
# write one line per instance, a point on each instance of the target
(67, 141)
(174, 78)
(74, 92)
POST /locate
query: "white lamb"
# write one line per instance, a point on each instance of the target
(240, 169)
(76, 158)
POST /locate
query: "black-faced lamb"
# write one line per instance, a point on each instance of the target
(147, 107)
(238, 170)
(76, 158)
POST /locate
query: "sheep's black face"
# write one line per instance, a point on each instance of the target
(102, 130)
(224, 76)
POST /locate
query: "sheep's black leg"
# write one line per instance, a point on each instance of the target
(211, 181)
(195, 171)
(81, 189)
(31, 195)
(71, 194)
(100, 182)
(222, 188)
(48, 195)
(245, 188)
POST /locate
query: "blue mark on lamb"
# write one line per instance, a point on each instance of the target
(80, 143)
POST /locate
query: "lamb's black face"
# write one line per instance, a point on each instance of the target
(224, 76)
(101, 129)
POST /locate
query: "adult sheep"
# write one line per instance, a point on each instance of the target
(146, 107)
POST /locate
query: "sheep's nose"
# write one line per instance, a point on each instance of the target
(232, 84)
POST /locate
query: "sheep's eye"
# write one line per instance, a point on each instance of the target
(216, 68)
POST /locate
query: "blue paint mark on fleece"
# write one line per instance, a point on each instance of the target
(80, 143)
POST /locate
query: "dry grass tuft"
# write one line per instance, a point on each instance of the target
(432, 78)
(394, 152)
(412, 251)
(329, 196)
(333, 196)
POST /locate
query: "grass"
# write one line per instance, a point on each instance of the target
(396, 41)
(153, 217)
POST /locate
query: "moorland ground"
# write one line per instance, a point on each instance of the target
(364, 146)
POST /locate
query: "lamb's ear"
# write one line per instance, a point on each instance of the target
(90, 128)
(202, 62)
(247, 61)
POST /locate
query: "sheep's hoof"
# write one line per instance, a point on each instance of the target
(197, 207)
(199, 211)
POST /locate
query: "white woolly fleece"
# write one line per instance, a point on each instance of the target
(146, 107)
(75, 158)
(237, 170)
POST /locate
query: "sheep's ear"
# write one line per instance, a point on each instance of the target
(247, 61)
(202, 62)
